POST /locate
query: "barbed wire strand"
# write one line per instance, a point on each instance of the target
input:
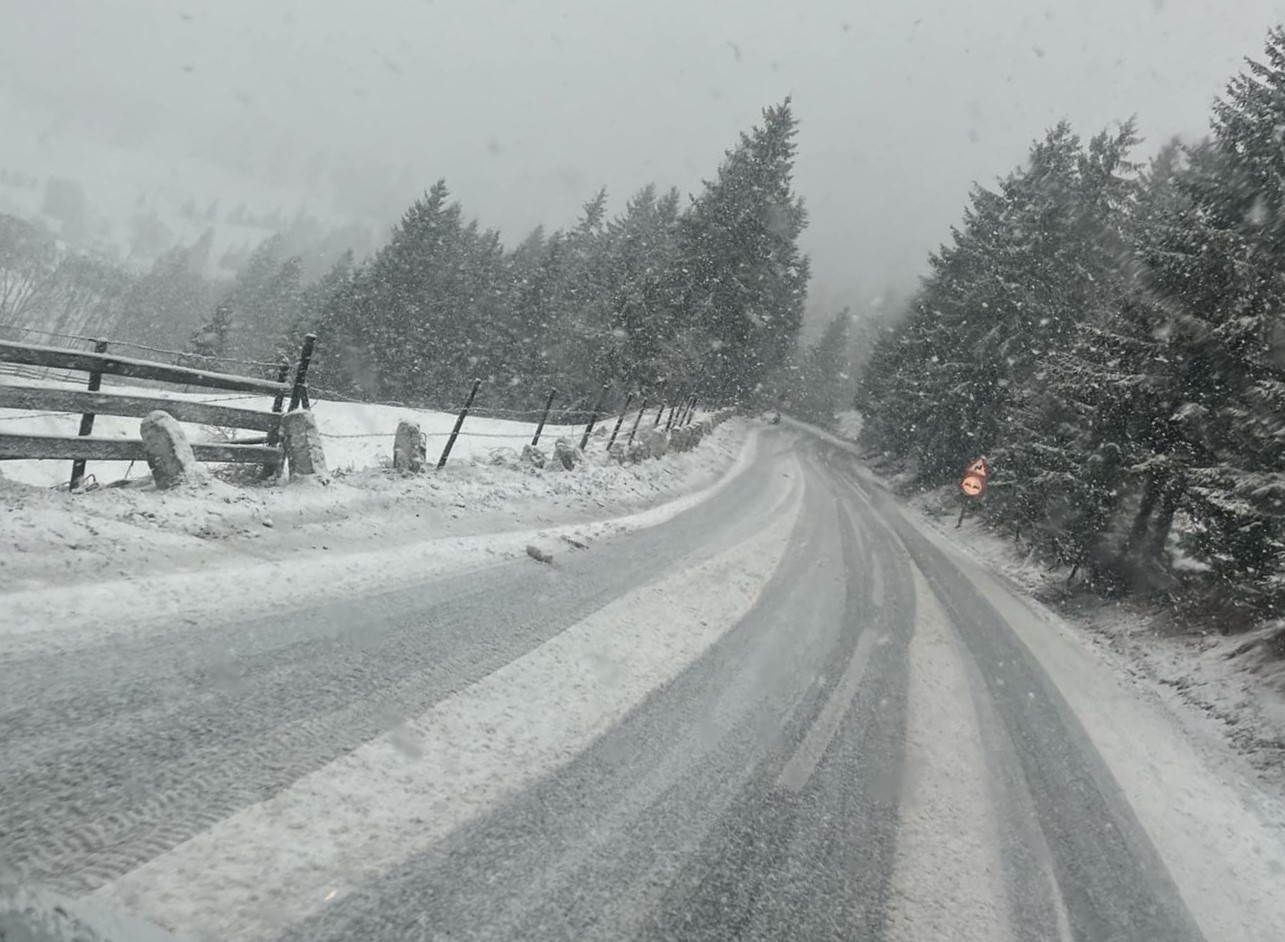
(198, 356)
(37, 415)
(463, 433)
(47, 333)
(133, 345)
(529, 415)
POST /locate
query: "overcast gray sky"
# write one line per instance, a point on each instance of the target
(527, 107)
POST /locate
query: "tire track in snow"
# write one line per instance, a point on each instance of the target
(947, 878)
(115, 753)
(275, 863)
(51, 620)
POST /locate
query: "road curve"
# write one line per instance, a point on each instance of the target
(787, 713)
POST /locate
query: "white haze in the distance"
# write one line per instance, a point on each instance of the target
(528, 107)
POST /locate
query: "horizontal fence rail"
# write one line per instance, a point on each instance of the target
(43, 400)
(125, 449)
(57, 358)
(114, 403)
(26, 360)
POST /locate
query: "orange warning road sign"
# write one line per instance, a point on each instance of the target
(974, 485)
(980, 468)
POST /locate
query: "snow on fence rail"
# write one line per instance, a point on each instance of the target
(93, 400)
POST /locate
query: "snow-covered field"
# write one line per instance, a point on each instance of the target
(357, 436)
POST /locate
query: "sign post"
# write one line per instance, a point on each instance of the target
(973, 485)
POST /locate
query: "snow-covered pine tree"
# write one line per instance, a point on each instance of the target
(340, 364)
(258, 317)
(1068, 430)
(999, 355)
(534, 269)
(579, 302)
(820, 381)
(643, 248)
(1214, 266)
(744, 278)
(937, 388)
(397, 308)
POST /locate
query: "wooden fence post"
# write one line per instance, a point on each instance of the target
(634, 431)
(274, 433)
(544, 417)
(87, 420)
(691, 410)
(660, 398)
(593, 417)
(670, 421)
(299, 395)
(616, 431)
(450, 442)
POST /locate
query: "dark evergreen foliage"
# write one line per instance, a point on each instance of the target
(706, 298)
(1114, 339)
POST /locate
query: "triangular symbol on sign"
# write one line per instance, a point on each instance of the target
(979, 468)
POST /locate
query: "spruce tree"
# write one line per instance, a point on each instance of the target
(1213, 264)
(819, 381)
(743, 277)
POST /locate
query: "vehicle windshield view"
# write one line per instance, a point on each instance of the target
(686, 471)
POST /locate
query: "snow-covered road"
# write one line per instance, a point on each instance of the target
(778, 709)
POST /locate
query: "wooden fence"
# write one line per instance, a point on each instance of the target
(263, 449)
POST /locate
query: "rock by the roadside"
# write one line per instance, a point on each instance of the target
(538, 554)
(410, 448)
(302, 440)
(618, 452)
(533, 456)
(505, 458)
(637, 451)
(566, 454)
(657, 442)
(169, 454)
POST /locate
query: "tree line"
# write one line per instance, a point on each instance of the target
(704, 294)
(704, 297)
(1112, 336)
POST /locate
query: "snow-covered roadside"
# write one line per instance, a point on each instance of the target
(275, 863)
(1216, 825)
(1226, 691)
(1217, 830)
(405, 530)
(55, 539)
(1232, 687)
(356, 436)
